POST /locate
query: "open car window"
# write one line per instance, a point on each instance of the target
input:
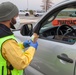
(61, 26)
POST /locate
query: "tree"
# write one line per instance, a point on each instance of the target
(46, 4)
(31, 12)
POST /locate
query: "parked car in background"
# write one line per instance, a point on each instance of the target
(27, 13)
(23, 12)
(73, 14)
(56, 53)
(39, 13)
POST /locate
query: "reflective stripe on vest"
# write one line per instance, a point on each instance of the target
(3, 65)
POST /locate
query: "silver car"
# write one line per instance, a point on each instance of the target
(56, 53)
(38, 13)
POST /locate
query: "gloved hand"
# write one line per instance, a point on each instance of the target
(34, 44)
(26, 43)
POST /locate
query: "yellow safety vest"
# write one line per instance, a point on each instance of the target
(3, 63)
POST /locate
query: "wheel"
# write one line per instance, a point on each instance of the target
(36, 15)
(26, 14)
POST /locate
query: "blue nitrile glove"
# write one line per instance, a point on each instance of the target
(26, 43)
(35, 45)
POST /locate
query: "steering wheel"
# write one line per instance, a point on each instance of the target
(69, 29)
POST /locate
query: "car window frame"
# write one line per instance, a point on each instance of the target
(46, 16)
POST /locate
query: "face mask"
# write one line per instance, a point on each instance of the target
(12, 23)
(17, 24)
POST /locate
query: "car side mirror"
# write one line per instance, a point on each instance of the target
(26, 30)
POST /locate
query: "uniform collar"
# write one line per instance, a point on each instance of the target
(5, 31)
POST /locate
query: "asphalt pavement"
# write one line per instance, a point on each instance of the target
(31, 17)
(26, 20)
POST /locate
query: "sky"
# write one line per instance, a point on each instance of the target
(30, 4)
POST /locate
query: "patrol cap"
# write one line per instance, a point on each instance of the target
(7, 11)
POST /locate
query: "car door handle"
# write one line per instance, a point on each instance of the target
(64, 57)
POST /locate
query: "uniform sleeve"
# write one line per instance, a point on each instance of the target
(13, 53)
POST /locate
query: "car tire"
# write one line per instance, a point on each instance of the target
(37, 15)
(26, 14)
